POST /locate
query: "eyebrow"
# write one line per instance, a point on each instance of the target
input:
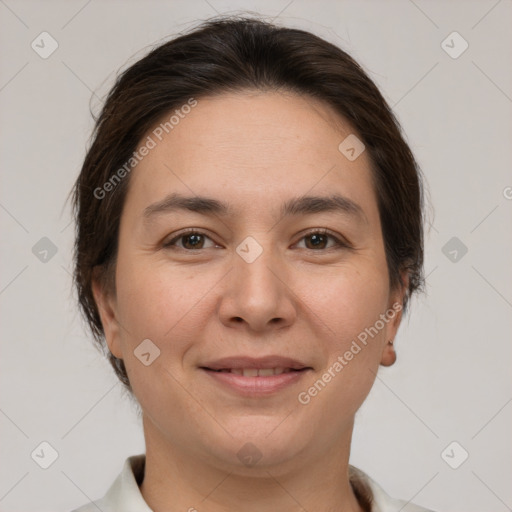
(304, 205)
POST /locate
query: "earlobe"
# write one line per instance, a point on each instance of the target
(108, 314)
(388, 354)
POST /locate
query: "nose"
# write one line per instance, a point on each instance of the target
(257, 295)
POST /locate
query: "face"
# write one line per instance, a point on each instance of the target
(257, 271)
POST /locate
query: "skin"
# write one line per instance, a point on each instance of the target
(254, 151)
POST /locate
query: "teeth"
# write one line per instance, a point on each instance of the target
(262, 372)
(266, 372)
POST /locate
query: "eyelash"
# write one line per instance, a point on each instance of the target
(338, 244)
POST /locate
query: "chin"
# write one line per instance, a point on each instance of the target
(257, 444)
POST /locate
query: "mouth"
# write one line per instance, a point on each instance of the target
(256, 372)
(275, 363)
(254, 378)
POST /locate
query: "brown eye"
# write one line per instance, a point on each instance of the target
(319, 240)
(191, 240)
(194, 241)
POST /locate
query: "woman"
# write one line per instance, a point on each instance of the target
(249, 231)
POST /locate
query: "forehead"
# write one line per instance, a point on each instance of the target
(247, 145)
(239, 125)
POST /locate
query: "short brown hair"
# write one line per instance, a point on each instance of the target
(234, 54)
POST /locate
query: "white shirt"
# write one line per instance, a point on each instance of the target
(124, 494)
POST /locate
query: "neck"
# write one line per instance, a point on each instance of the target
(175, 480)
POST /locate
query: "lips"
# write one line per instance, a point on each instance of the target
(253, 377)
(256, 372)
(253, 367)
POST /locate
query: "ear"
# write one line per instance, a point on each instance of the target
(107, 308)
(394, 313)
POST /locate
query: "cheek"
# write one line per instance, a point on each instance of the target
(169, 306)
(347, 300)
(156, 300)
(165, 307)
(348, 305)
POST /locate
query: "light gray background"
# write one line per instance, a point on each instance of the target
(452, 378)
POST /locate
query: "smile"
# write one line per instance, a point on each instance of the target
(256, 372)
(255, 382)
